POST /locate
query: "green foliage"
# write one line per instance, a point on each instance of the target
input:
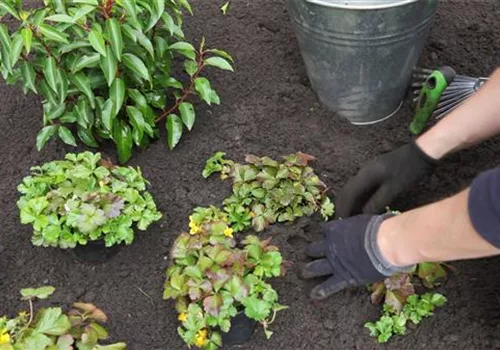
(104, 69)
(266, 191)
(392, 322)
(84, 198)
(212, 279)
(52, 329)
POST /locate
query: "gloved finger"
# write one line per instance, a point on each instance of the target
(331, 286)
(358, 190)
(316, 249)
(316, 268)
(379, 201)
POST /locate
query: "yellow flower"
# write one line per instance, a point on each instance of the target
(228, 232)
(201, 338)
(195, 229)
(252, 214)
(182, 317)
(4, 337)
(23, 314)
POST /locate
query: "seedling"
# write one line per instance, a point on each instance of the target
(52, 329)
(84, 198)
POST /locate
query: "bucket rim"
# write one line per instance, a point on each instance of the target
(327, 3)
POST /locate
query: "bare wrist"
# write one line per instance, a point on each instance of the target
(389, 245)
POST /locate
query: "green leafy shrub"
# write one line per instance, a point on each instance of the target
(212, 279)
(266, 191)
(104, 68)
(53, 329)
(84, 198)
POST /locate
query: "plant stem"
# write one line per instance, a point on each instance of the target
(31, 313)
(186, 92)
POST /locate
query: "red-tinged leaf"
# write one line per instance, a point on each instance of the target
(378, 291)
(212, 305)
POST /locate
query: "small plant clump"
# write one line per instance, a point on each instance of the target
(84, 198)
(212, 279)
(401, 303)
(266, 191)
(105, 69)
(53, 329)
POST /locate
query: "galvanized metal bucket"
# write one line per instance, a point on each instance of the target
(360, 54)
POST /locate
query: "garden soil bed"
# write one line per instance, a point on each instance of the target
(267, 108)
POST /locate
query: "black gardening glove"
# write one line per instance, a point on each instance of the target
(379, 182)
(350, 254)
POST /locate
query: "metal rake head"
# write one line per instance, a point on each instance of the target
(453, 96)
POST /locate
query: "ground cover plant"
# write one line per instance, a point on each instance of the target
(266, 191)
(212, 278)
(52, 328)
(85, 198)
(104, 69)
(402, 304)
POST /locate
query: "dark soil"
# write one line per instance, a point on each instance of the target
(268, 109)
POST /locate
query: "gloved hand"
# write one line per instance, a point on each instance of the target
(350, 254)
(382, 179)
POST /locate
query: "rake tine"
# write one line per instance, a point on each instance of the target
(415, 100)
(417, 92)
(449, 96)
(452, 100)
(423, 70)
(448, 107)
(464, 77)
(420, 76)
(440, 115)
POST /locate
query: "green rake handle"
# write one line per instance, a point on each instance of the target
(432, 90)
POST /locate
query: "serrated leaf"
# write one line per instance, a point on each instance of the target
(174, 130)
(44, 135)
(66, 136)
(188, 114)
(115, 36)
(53, 34)
(97, 41)
(49, 71)
(109, 66)
(122, 135)
(27, 34)
(117, 95)
(219, 62)
(52, 322)
(136, 65)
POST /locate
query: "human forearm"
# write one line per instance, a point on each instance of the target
(441, 231)
(476, 120)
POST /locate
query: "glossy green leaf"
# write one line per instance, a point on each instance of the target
(107, 114)
(39, 293)
(16, 49)
(29, 75)
(186, 5)
(138, 98)
(115, 37)
(204, 89)
(137, 121)
(145, 42)
(191, 67)
(87, 137)
(158, 10)
(49, 71)
(27, 34)
(53, 34)
(60, 18)
(87, 61)
(97, 41)
(188, 114)
(222, 54)
(122, 135)
(82, 83)
(219, 62)
(117, 95)
(182, 46)
(109, 66)
(136, 65)
(44, 135)
(131, 13)
(66, 135)
(63, 85)
(7, 7)
(174, 130)
(82, 12)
